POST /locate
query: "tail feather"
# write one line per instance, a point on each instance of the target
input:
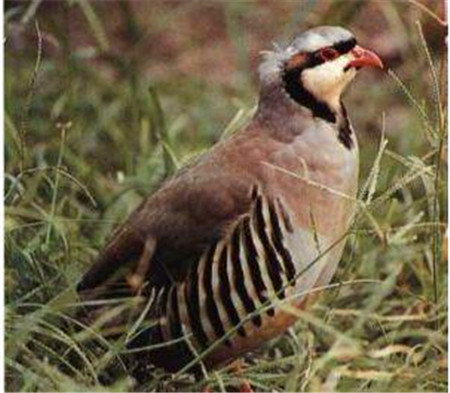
(124, 248)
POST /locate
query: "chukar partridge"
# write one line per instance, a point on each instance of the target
(258, 220)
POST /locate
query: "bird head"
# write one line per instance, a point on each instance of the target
(317, 66)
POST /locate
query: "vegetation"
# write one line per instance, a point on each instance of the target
(106, 99)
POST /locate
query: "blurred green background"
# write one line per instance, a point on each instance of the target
(105, 99)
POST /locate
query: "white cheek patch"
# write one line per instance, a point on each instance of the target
(328, 80)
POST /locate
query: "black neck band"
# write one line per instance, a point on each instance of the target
(345, 130)
(294, 87)
(296, 90)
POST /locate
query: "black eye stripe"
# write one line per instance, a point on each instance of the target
(292, 80)
(345, 46)
(342, 47)
(314, 59)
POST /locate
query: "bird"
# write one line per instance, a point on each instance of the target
(258, 221)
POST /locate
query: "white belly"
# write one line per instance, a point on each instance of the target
(318, 178)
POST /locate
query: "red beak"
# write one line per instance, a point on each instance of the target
(364, 57)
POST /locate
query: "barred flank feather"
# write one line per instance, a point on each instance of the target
(236, 276)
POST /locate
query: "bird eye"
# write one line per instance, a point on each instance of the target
(328, 54)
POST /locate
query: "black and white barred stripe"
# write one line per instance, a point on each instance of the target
(233, 279)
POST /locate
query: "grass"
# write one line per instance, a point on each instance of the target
(103, 102)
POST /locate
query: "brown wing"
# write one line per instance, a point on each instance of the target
(177, 223)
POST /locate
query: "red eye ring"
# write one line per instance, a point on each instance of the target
(328, 54)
